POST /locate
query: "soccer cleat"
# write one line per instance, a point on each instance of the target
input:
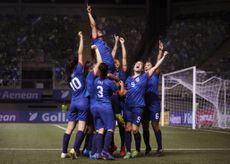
(122, 151)
(95, 156)
(134, 153)
(73, 154)
(86, 152)
(65, 155)
(159, 152)
(106, 155)
(127, 156)
(148, 150)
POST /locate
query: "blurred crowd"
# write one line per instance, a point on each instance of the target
(52, 38)
(192, 41)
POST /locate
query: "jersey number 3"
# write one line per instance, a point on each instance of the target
(99, 91)
(75, 84)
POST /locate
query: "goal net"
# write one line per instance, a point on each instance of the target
(195, 99)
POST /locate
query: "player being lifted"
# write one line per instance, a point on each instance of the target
(79, 104)
(152, 110)
(97, 39)
(135, 103)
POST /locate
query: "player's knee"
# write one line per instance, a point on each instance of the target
(128, 128)
(101, 131)
(156, 126)
(135, 130)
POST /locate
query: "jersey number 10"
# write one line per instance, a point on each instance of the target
(75, 84)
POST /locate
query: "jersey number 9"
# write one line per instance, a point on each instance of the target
(75, 84)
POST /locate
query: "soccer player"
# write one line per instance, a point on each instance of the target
(90, 87)
(135, 103)
(103, 113)
(152, 110)
(79, 104)
(97, 40)
(117, 101)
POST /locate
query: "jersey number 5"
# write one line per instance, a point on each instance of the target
(99, 91)
(75, 84)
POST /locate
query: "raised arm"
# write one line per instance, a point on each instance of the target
(92, 23)
(153, 69)
(114, 51)
(124, 54)
(98, 57)
(160, 54)
(80, 48)
(160, 50)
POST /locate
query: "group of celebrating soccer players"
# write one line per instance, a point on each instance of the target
(107, 94)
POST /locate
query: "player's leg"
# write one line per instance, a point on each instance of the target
(137, 113)
(98, 138)
(88, 140)
(128, 139)
(128, 129)
(158, 135)
(72, 117)
(70, 127)
(122, 138)
(155, 119)
(82, 107)
(146, 133)
(122, 130)
(107, 116)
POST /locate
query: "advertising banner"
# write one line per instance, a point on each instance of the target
(62, 95)
(33, 117)
(20, 94)
(205, 118)
(180, 118)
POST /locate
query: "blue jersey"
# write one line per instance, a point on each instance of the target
(152, 85)
(77, 83)
(90, 81)
(121, 74)
(136, 88)
(104, 89)
(90, 87)
(105, 52)
(151, 96)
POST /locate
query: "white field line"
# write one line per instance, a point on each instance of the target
(58, 126)
(204, 130)
(168, 149)
(63, 128)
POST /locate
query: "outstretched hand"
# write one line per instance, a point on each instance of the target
(161, 45)
(93, 47)
(166, 53)
(89, 9)
(80, 34)
(116, 37)
(122, 40)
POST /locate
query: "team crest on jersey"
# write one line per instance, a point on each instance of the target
(137, 79)
(132, 84)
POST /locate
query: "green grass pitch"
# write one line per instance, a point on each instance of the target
(41, 144)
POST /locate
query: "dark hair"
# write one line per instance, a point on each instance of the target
(87, 66)
(103, 68)
(71, 64)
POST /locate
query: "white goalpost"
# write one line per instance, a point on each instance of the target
(194, 99)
